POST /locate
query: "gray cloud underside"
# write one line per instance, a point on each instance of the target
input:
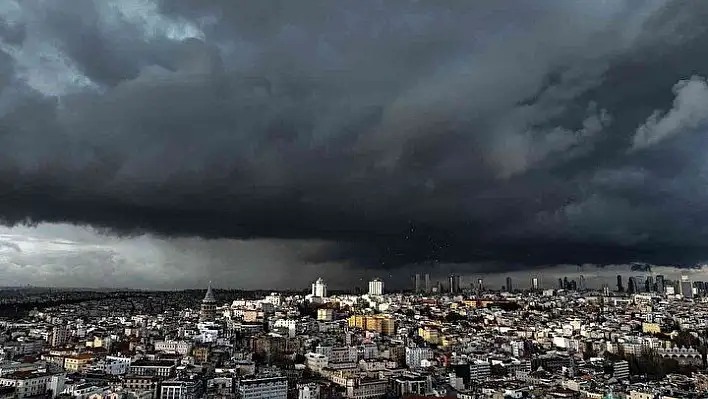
(404, 131)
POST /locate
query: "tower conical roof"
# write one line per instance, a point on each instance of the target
(209, 297)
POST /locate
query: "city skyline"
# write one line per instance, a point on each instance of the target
(317, 199)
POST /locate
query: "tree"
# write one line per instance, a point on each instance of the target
(454, 317)
(499, 370)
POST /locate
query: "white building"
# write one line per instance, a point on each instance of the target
(480, 370)
(263, 388)
(325, 314)
(178, 347)
(34, 383)
(115, 365)
(162, 368)
(316, 361)
(308, 391)
(60, 334)
(415, 356)
(208, 332)
(274, 298)
(181, 389)
(376, 287)
(621, 370)
(366, 389)
(319, 288)
(339, 354)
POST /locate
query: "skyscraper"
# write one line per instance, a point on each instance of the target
(427, 285)
(560, 283)
(631, 286)
(416, 283)
(319, 288)
(660, 284)
(509, 288)
(534, 283)
(686, 287)
(605, 290)
(454, 283)
(620, 287)
(207, 312)
(581, 286)
(376, 287)
(480, 285)
(649, 284)
(639, 283)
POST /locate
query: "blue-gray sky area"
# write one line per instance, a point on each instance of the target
(274, 141)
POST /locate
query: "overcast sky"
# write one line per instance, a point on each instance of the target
(164, 143)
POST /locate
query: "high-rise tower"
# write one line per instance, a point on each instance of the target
(534, 283)
(620, 287)
(208, 309)
(319, 288)
(376, 287)
(454, 283)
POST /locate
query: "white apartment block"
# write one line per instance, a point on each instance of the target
(263, 388)
(33, 383)
(179, 347)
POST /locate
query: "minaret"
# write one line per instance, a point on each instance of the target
(208, 309)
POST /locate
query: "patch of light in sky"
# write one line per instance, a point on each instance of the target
(145, 15)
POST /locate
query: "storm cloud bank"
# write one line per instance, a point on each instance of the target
(399, 132)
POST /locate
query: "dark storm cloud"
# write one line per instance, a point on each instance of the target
(405, 131)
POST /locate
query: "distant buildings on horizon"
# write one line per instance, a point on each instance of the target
(453, 284)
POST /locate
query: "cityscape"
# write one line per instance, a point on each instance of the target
(363, 199)
(643, 338)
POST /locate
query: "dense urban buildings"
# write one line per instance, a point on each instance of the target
(466, 342)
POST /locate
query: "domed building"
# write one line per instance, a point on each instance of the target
(208, 309)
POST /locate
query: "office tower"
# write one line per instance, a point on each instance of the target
(376, 287)
(427, 286)
(480, 285)
(605, 290)
(207, 312)
(534, 283)
(319, 288)
(566, 283)
(649, 284)
(686, 287)
(660, 284)
(620, 287)
(560, 283)
(639, 283)
(416, 283)
(509, 288)
(581, 286)
(572, 285)
(631, 286)
(454, 283)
